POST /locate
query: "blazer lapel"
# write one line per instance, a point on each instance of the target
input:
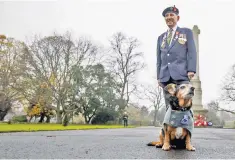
(174, 39)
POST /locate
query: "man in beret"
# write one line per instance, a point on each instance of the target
(176, 52)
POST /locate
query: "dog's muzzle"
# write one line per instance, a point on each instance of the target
(191, 91)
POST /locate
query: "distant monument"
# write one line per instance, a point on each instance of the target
(197, 99)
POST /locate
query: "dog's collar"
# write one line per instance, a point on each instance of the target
(174, 102)
(181, 109)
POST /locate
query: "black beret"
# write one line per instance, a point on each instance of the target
(170, 9)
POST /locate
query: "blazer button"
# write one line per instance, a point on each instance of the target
(169, 63)
(167, 54)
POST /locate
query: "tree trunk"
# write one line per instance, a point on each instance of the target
(58, 116)
(86, 120)
(66, 119)
(72, 118)
(155, 118)
(2, 115)
(42, 118)
(48, 119)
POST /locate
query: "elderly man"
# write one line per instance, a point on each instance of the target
(176, 52)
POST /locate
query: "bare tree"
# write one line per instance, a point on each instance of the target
(52, 59)
(125, 61)
(228, 92)
(215, 105)
(5, 105)
(156, 98)
(211, 115)
(12, 69)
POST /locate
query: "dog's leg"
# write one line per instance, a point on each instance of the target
(166, 146)
(173, 135)
(184, 134)
(161, 138)
(157, 143)
(189, 146)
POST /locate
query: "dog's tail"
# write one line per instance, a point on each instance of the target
(154, 144)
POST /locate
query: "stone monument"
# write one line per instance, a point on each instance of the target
(197, 99)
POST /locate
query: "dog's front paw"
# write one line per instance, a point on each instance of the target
(159, 145)
(190, 148)
(166, 147)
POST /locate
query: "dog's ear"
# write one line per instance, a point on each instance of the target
(171, 88)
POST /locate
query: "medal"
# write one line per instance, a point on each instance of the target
(182, 39)
(163, 45)
(176, 35)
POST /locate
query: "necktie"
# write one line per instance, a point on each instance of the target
(169, 36)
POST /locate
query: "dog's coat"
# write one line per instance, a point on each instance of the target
(183, 119)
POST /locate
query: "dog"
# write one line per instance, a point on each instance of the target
(176, 133)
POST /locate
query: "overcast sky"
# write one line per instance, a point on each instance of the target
(99, 19)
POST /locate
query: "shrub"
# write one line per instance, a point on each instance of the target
(104, 116)
(21, 118)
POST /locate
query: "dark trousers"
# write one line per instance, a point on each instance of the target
(177, 82)
(125, 123)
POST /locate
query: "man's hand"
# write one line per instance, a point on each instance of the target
(190, 75)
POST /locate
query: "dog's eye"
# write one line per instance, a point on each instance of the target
(182, 87)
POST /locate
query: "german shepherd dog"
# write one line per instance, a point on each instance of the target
(180, 99)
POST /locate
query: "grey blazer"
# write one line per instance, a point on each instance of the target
(177, 59)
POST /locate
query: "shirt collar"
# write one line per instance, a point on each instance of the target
(174, 28)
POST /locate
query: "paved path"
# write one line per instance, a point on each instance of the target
(113, 143)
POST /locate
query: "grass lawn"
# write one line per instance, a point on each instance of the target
(4, 127)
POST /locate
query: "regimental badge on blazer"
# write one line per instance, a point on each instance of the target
(163, 45)
(182, 38)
